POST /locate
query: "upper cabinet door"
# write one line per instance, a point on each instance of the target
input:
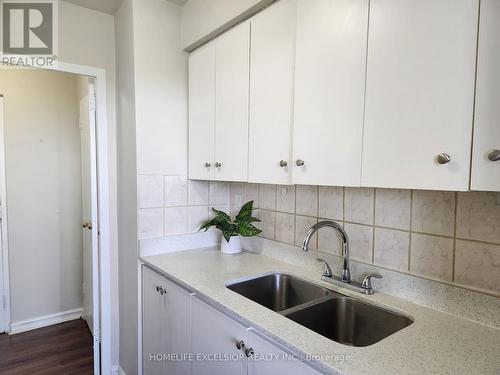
(420, 94)
(486, 150)
(202, 113)
(231, 104)
(329, 91)
(272, 64)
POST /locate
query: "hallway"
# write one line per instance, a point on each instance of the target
(60, 349)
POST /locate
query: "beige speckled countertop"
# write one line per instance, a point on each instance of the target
(436, 343)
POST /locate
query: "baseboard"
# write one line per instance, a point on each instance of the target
(45, 321)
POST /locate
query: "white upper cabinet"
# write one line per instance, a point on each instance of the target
(329, 91)
(420, 93)
(202, 113)
(272, 64)
(232, 72)
(486, 172)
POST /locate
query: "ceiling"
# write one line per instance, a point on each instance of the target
(110, 6)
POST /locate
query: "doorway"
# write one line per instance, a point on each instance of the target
(43, 176)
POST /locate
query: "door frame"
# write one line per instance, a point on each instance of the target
(104, 365)
(4, 262)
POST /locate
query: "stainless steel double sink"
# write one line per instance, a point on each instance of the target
(333, 315)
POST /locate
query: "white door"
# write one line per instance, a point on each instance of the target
(282, 362)
(272, 62)
(90, 225)
(420, 94)
(153, 322)
(329, 91)
(4, 274)
(486, 150)
(202, 112)
(232, 74)
(86, 211)
(215, 334)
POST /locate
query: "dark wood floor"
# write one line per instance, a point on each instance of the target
(61, 349)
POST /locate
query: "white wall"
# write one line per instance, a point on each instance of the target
(87, 37)
(201, 17)
(127, 192)
(43, 174)
(160, 89)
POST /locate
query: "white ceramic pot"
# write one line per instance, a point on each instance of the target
(231, 247)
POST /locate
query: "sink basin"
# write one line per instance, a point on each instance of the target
(279, 291)
(350, 322)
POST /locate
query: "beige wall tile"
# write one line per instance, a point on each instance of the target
(331, 202)
(175, 191)
(433, 212)
(285, 227)
(478, 216)
(236, 196)
(302, 225)
(306, 200)
(285, 198)
(176, 220)
(267, 197)
(197, 193)
(431, 256)
(477, 265)
(359, 205)
(392, 208)
(218, 193)
(329, 240)
(360, 242)
(150, 191)
(267, 224)
(150, 223)
(391, 249)
(197, 216)
(252, 194)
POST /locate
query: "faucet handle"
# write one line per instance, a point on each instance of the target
(366, 284)
(328, 271)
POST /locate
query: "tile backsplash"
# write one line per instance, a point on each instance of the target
(171, 205)
(445, 236)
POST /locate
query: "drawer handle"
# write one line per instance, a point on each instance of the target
(207, 165)
(249, 352)
(218, 165)
(300, 162)
(283, 163)
(240, 344)
(494, 155)
(443, 158)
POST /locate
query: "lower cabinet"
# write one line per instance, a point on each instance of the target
(214, 341)
(174, 322)
(269, 359)
(165, 326)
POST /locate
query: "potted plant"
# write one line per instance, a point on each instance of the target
(232, 230)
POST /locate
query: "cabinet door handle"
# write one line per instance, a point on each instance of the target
(240, 344)
(300, 162)
(283, 163)
(443, 158)
(158, 288)
(207, 165)
(249, 352)
(218, 165)
(494, 155)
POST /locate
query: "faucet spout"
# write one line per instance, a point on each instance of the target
(346, 273)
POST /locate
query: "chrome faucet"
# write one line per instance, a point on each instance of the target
(346, 273)
(345, 278)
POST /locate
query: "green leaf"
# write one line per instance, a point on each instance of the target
(245, 212)
(222, 215)
(246, 229)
